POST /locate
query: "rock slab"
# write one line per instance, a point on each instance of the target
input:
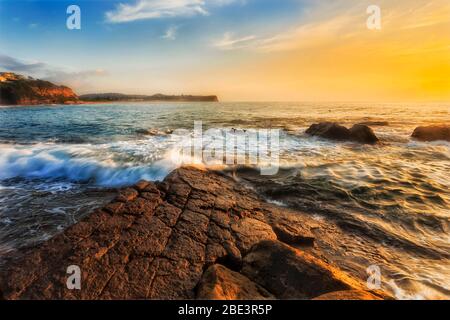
(197, 234)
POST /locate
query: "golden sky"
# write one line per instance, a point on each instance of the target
(335, 57)
(241, 50)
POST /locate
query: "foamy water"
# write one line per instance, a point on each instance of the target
(393, 199)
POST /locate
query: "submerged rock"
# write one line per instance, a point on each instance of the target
(333, 131)
(197, 234)
(154, 132)
(432, 133)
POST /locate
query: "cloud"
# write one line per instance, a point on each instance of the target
(153, 9)
(157, 9)
(13, 64)
(48, 72)
(330, 54)
(73, 76)
(328, 28)
(171, 33)
(229, 42)
(323, 22)
(330, 24)
(312, 34)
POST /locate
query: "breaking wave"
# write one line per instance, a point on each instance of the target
(100, 165)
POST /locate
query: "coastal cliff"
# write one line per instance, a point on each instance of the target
(196, 235)
(19, 90)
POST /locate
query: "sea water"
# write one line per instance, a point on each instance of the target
(391, 201)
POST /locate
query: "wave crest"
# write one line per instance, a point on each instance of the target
(80, 163)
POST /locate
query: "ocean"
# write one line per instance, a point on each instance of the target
(390, 202)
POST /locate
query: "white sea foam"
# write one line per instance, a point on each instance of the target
(80, 163)
(112, 164)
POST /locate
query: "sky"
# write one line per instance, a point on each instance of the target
(240, 50)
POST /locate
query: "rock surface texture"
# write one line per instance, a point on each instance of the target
(198, 235)
(363, 134)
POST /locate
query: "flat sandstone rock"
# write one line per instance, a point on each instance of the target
(196, 234)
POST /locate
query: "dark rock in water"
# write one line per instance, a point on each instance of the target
(330, 130)
(178, 239)
(289, 273)
(154, 132)
(432, 133)
(363, 134)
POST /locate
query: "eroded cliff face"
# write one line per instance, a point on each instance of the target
(18, 90)
(197, 235)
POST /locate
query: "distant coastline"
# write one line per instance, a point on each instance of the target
(114, 97)
(20, 90)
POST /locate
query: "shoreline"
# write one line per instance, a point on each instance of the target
(218, 240)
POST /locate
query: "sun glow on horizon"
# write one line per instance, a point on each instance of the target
(339, 59)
